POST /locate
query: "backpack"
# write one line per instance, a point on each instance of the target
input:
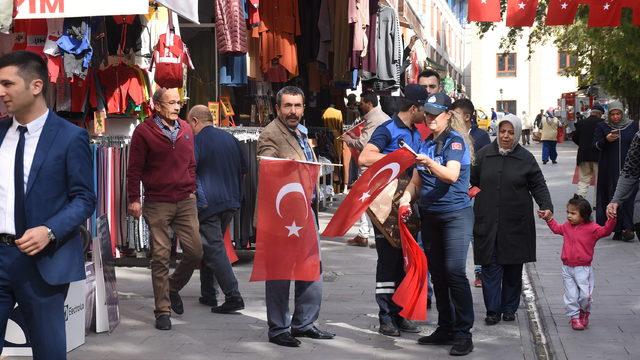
(169, 57)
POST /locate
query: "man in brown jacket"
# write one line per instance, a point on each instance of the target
(286, 138)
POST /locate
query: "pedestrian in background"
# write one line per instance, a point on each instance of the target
(613, 138)
(627, 184)
(526, 129)
(549, 137)
(220, 169)
(162, 157)
(587, 157)
(580, 235)
(504, 232)
(373, 117)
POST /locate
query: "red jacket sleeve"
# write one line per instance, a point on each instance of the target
(137, 159)
(555, 227)
(606, 230)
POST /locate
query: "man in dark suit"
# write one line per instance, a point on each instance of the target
(587, 157)
(45, 195)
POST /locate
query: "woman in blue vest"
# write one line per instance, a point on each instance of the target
(442, 182)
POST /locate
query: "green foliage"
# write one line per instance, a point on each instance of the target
(609, 57)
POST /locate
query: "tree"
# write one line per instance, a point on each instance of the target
(609, 57)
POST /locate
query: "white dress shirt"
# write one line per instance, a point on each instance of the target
(7, 161)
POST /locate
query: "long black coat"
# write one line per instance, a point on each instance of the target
(583, 137)
(504, 217)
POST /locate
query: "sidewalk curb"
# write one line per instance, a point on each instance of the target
(532, 293)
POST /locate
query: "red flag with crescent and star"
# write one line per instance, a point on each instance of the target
(521, 12)
(605, 13)
(484, 10)
(411, 294)
(286, 233)
(366, 188)
(562, 12)
(355, 133)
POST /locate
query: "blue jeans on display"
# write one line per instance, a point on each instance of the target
(501, 287)
(549, 150)
(450, 235)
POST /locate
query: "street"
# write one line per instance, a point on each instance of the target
(350, 311)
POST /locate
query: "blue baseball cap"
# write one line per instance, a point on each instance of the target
(437, 103)
(415, 93)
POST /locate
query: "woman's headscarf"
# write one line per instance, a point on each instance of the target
(517, 131)
(617, 105)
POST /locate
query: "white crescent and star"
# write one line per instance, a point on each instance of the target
(606, 6)
(522, 5)
(287, 189)
(484, 2)
(564, 6)
(395, 170)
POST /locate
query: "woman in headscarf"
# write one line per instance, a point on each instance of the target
(613, 138)
(549, 137)
(504, 232)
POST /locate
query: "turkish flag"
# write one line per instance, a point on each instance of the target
(411, 294)
(484, 10)
(228, 246)
(521, 12)
(562, 12)
(604, 13)
(355, 133)
(286, 233)
(366, 188)
(634, 5)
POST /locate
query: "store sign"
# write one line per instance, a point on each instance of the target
(44, 9)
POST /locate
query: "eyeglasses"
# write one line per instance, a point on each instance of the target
(174, 103)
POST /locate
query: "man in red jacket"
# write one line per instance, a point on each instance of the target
(162, 157)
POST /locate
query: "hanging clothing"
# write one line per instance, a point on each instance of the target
(278, 29)
(30, 35)
(233, 70)
(120, 83)
(75, 43)
(231, 27)
(341, 41)
(124, 34)
(324, 30)
(389, 45)
(6, 16)
(369, 60)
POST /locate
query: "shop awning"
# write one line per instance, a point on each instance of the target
(44, 9)
(188, 9)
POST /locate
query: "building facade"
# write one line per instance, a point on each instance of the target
(514, 81)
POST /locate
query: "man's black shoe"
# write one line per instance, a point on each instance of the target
(163, 322)
(508, 316)
(438, 337)
(213, 302)
(285, 339)
(230, 305)
(492, 318)
(313, 333)
(389, 328)
(461, 347)
(176, 302)
(406, 325)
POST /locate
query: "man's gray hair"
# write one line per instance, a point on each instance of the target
(289, 90)
(158, 94)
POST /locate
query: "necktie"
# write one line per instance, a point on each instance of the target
(18, 183)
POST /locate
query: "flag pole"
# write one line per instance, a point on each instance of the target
(300, 161)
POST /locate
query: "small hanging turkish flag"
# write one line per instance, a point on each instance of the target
(604, 13)
(355, 133)
(366, 188)
(634, 5)
(411, 294)
(286, 233)
(521, 12)
(484, 10)
(228, 247)
(562, 12)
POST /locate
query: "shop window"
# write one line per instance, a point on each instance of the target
(507, 106)
(506, 65)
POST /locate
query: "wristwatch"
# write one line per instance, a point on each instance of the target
(50, 235)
